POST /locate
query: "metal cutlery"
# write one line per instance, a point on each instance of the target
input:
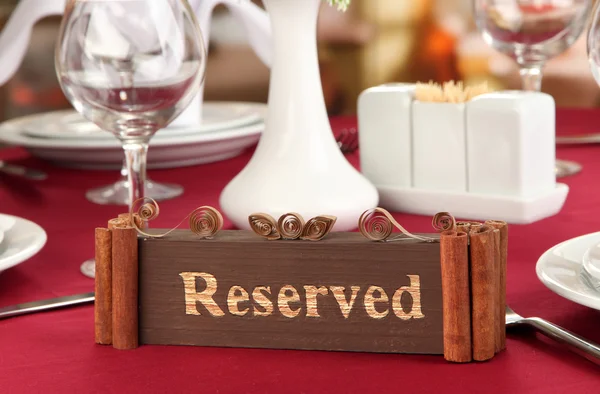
(575, 343)
(29, 173)
(580, 139)
(348, 140)
(44, 305)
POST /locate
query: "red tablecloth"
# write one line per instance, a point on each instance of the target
(55, 352)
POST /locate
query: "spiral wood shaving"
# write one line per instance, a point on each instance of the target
(264, 225)
(318, 227)
(204, 221)
(291, 226)
(377, 224)
(443, 221)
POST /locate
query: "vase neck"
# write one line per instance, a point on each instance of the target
(293, 21)
(297, 111)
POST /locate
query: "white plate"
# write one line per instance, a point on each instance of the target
(561, 270)
(70, 124)
(22, 239)
(166, 152)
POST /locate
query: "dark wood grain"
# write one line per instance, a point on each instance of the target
(242, 259)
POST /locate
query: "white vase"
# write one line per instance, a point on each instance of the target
(297, 165)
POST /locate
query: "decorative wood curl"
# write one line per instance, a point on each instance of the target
(377, 224)
(443, 221)
(291, 226)
(264, 225)
(204, 221)
(318, 227)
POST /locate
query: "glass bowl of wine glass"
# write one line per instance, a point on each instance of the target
(131, 67)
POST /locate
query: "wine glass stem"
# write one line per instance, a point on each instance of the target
(531, 76)
(135, 157)
(124, 170)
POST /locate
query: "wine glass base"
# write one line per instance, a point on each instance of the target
(88, 268)
(118, 193)
(566, 168)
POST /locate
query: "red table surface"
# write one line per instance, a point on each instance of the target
(55, 351)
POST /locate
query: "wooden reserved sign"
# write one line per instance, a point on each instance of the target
(342, 293)
(430, 294)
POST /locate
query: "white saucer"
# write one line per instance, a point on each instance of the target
(69, 124)
(167, 152)
(561, 270)
(22, 239)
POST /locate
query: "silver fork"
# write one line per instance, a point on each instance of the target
(575, 343)
(17, 170)
(348, 140)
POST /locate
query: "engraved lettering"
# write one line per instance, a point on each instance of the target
(284, 300)
(371, 299)
(405, 303)
(340, 297)
(311, 299)
(236, 295)
(262, 300)
(192, 297)
(415, 292)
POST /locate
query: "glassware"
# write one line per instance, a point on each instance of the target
(593, 45)
(532, 32)
(131, 67)
(118, 193)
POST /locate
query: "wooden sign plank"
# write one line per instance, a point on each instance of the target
(342, 293)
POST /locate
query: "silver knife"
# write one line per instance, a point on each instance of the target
(44, 305)
(25, 172)
(580, 139)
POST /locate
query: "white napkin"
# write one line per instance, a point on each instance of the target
(14, 37)
(119, 31)
(507, 15)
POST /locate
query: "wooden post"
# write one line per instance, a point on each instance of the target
(125, 287)
(103, 287)
(482, 290)
(501, 278)
(456, 296)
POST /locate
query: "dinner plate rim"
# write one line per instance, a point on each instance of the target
(217, 136)
(39, 239)
(253, 115)
(11, 134)
(561, 288)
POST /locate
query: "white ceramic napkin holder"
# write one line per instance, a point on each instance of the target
(491, 157)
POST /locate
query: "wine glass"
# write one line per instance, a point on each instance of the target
(532, 32)
(118, 193)
(131, 67)
(593, 45)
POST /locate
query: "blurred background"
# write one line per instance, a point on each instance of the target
(375, 42)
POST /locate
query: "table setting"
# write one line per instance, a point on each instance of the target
(310, 263)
